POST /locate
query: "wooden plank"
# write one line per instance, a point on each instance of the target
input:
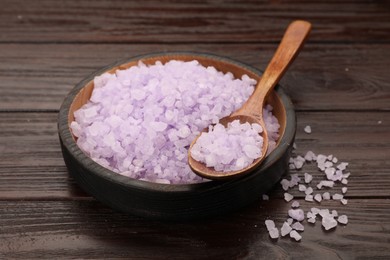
(352, 76)
(86, 229)
(31, 164)
(189, 21)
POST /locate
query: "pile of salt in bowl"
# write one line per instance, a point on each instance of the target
(139, 122)
(334, 172)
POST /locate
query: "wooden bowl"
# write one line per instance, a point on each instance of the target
(174, 201)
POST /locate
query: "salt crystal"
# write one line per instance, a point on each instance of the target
(270, 224)
(309, 191)
(344, 181)
(307, 129)
(337, 196)
(328, 222)
(295, 204)
(321, 158)
(291, 166)
(344, 201)
(344, 190)
(296, 214)
(318, 197)
(294, 180)
(310, 214)
(295, 146)
(288, 197)
(274, 233)
(343, 219)
(346, 175)
(285, 184)
(310, 156)
(286, 229)
(329, 184)
(324, 212)
(302, 187)
(265, 197)
(298, 162)
(308, 177)
(311, 220)
(298, 226)
(335, 160)
(290, 221)
(342, 166)
(309, 198)
(334, 213)
(294, 234)
(315, 210)
(326, 196)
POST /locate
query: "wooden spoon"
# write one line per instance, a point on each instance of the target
(251, 111)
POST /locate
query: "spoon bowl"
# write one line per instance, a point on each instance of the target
(251, 111)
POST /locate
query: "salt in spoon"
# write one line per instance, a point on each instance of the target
(251, 111)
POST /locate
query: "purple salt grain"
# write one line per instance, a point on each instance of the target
(308, 177)
(229, 149)
(309, 198)
(296, 214)
(326, 196)
(302, 187)
(270, 224)
(328, 222)
(344, 190)
(298, 226)
(307, 129)
(309, 191)
(295, 204)
(343, 219)
(140, 121)
(288, 197)
(294, 234)
(337, 196)
(285, 230)
(318, 197)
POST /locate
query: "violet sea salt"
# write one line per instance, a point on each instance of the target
(140, 121)
(229, 149)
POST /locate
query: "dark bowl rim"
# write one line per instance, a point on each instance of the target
(68, 142)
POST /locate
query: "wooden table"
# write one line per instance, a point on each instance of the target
(340, 85)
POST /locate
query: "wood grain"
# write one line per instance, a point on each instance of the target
(351, 76)
(31, 164)
(189, 21)
(63, 229)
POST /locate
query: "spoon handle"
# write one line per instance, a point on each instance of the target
(288, 49)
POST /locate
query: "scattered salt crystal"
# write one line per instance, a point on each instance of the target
(344, 190)
(298, 226)
(311, 220)
(288, 197)
(296, 214)
(310, 156)
(295, 146)
(307, 129)
(344, 201)
(286, 229)
(285, 184)
(270, 224)
(308, 177)
(326, 196)
(342, 166)
(302, 187)
(315, 210)
(335, 160)
(329, 184)
(337, 196)
(328, 222)
(324, 212)
(298, 162)
(294, 234)
(318, 197)
(334, 213)
(343, 219)
(321, 158)
(295, 204)
(290, 221)
(310, 214)
(309, 197)
(274, 233)
(294, 180)
(309, 191)
(291, 166)
(265, 197)
(346, 175)
(344, 181)
(379, 122)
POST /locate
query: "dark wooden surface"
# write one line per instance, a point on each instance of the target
(340, 85)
